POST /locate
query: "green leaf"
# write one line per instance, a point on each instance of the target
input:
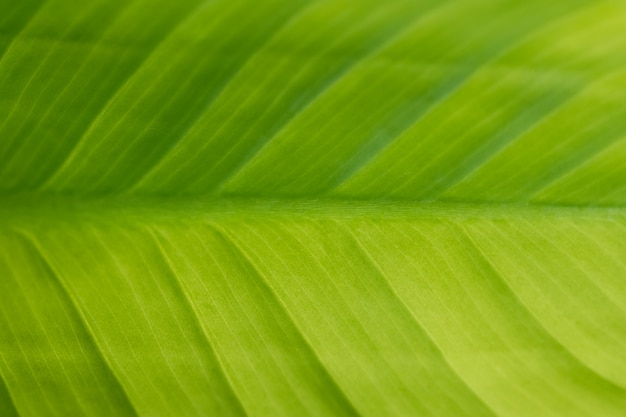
(330, 207)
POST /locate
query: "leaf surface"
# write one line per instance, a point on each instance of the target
(331, 207)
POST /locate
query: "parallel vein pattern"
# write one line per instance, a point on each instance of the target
(292, 314)
(478, 100)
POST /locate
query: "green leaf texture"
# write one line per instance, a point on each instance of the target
(313, 208)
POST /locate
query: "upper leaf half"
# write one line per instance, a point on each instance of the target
(490, 101)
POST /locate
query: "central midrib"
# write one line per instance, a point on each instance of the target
(44, 207)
